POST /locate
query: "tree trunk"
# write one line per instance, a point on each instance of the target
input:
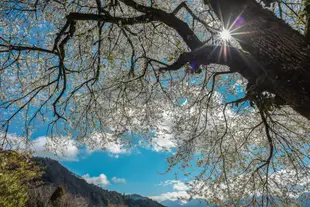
(282, 54)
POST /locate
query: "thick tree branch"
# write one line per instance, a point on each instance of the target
(150, 15)
(282, 52)
(105, 18)
(238, 60)
(170, 20)
(194, 16)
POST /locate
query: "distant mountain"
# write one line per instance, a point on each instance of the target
(191, 203)
(302, 201)
(57, 175)
(137, 197)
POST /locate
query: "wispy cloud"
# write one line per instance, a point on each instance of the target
(180, 192)
(183, 196)
(162, 144)
(164, 139)
(64, 147)
(100, 180)
(58, 148)
(61, 148)
(104, 142)
(68, 149)
(119, 180)
(176, 185)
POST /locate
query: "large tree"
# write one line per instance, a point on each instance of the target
(123, 70)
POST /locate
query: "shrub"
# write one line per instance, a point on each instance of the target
(51, 196)
(17, 174)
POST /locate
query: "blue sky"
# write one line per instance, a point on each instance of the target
(140, 169)
(135, 171)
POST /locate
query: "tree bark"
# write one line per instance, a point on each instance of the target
(307, 29)
(282, 54)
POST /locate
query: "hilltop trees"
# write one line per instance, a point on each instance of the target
(122, 70)
(52, 196)
(17, 175)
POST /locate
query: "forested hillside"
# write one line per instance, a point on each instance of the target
(56, 175)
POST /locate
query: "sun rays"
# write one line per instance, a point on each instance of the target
(225, 35)
(231, 35)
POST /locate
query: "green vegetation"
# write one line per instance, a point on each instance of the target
(17, 174)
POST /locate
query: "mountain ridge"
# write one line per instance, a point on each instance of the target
(191, 203)
(57, 175)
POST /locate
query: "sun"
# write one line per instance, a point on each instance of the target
(225, 35)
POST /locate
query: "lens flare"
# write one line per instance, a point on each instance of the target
(225, 35)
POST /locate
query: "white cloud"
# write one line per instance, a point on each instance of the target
(180, 186)
(119, 180)
(58, 148)
(100, 180)
(183, 196)
(62, 148)
(98, 141)
(162, 144)
(115, 149)
(13, 141)
(180, 192)
(165, 137)
(176, 185)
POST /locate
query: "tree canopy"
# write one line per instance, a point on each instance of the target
(227, 81)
